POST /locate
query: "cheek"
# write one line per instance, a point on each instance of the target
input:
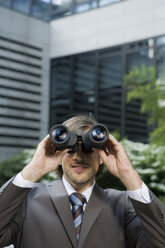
(96, 158)
(66, 159)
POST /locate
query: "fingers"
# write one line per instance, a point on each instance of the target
(48, 146)
(113, 140)
(46, 139)
(111, 146)
(62, 152)
(102, 154)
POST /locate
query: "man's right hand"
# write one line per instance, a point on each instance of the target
(44, 161)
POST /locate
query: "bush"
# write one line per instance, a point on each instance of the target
(147, 159)
(149, 162)
(11, 167)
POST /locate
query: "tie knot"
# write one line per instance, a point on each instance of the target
(77, 199)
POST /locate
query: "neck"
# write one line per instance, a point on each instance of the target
(80, 187)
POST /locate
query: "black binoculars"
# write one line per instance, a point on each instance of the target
(62, 137)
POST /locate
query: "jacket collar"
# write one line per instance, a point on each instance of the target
(61, 201)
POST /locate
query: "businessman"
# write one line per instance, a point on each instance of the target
(73, 211)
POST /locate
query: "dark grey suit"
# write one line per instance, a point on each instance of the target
(41, 218)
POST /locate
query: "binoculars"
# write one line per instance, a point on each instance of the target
(95, 137)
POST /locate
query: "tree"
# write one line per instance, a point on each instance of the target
(141, 84)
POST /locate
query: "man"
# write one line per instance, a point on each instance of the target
(35, 215)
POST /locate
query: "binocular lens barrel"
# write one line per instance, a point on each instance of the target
(59, 134)
(62, 137)
(99, 134)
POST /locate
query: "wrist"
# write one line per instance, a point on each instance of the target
(132, 181)
(31, 173)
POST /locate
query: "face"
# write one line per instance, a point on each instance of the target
(80, 169)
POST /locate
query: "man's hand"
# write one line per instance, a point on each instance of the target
(44, 161)
(119, 165)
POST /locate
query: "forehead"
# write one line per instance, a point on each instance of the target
(78, 126)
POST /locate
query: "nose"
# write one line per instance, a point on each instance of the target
(79, 151)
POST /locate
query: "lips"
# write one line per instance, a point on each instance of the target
(78, 167)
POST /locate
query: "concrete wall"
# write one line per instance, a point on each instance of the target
(24, 81)
(108, 26)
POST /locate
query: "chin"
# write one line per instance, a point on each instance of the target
(83, 180)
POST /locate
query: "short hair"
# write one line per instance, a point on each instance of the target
(84, 122)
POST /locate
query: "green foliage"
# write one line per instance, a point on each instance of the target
(148, 160)
(116, 134)
(141, 84)
(10, 167)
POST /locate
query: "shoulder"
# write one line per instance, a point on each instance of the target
(119, 200)
(115, 192)
(112, 196)
(42, 188)
(116, 200)
(115, 195)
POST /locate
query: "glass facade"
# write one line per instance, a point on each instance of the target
(48, 10)
(93, 82)
(84, 5)
(6, 3)
(61, 8)
(84, 83)
(110, 90)
(41, 9)
(106, 2)
(21, 5)
(61, 90)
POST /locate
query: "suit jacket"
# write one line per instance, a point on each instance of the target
(41, 218)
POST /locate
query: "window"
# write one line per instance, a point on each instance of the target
(6, 3)
(53, 9)
(41, 9)
(60, 93)
(61, 8)
(84, 79)
(93, 82)
(84, 5)
(136, 123)
(22, 5)
(109, 93)
(106, 2)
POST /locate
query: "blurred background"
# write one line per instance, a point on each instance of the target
(62, 57)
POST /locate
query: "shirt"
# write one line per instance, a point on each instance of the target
(141, 194)
(69, 189)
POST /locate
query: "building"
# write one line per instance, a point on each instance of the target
(62, 57)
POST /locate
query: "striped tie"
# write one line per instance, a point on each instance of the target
(77, 200)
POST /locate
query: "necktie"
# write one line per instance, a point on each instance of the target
(77, 200)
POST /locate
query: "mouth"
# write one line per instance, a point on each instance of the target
(78, 167)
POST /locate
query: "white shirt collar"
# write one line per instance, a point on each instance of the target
(69, 188)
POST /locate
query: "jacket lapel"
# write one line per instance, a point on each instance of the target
(60, 199)
(93, 209)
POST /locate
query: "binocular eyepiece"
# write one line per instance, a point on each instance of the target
(62, 137)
